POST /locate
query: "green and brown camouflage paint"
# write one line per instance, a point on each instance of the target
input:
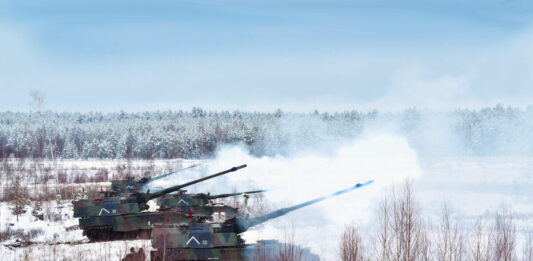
(215, 241)
(121, 214)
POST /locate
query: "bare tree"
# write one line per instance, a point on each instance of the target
(504, 237)
(480, 243)
(289, 251)
(402, 234)
(383, 246)
(527, 254)
(425, 244)
(450, 246)
(351, 245)
(407, 227)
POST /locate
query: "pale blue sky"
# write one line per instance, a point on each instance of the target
(261, 55)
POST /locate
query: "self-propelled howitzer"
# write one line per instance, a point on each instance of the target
(130, 185)
(122, 217)
(222, 241)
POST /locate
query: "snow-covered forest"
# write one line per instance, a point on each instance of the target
(198, 133)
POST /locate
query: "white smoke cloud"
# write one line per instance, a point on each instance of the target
(386, 159)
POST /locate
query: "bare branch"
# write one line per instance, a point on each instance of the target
(351, 245)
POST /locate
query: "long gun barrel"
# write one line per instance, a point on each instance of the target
(234, 194)
(241, 225)
(178, 187)
(170, 173)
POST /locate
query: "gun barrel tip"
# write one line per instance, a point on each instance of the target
(363, 184)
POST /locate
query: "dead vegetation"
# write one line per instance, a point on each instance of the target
(504, 237)
(402, 235)
(527, 253)
(289, 250)
(8, 233)
(480, 244)
(351, 245)
(450, 243)
(44, 180)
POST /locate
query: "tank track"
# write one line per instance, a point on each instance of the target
(98, 234)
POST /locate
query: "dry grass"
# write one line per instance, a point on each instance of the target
(46, 179)
(7, 233)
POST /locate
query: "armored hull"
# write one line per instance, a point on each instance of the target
(130, 226)
(196, 242)
(265, 250)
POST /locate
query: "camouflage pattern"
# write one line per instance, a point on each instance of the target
(200, 235)
(196, 242)
(106, 207)
(233, 254)
(122, 214)
(182, 199)
(263, 250)
(222, 211)
(202, 241)
(127, 186)
(201, 204)
(117, 227)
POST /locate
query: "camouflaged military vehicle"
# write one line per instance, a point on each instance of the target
(217, 241)
(122, 217)
(201, 203)
(130, 185)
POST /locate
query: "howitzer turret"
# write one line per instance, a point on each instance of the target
(201, 204)
(203, 241)
(130, 185)
(183, 200)
(123, 214)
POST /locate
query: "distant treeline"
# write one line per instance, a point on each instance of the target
(198, 133)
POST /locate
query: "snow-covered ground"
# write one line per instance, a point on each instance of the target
(479, 186)
(56, 237)
(473, 187)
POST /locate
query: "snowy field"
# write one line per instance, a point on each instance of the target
(56, 236)
(477, 186)
(56, 240)
(473, 187)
